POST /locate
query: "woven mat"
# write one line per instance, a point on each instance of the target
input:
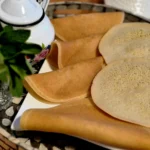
(92, 1)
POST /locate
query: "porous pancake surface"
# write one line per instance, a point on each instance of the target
(122, 89)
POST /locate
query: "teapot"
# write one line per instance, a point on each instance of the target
(28, 14)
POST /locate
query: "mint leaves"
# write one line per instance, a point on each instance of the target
(8, 35)
(13, 63)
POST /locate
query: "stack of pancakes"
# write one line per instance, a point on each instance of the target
(101, 79)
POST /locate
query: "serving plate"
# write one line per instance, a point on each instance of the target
(31, 102)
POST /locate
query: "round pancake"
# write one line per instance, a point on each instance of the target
(122, 89)
(126, 40)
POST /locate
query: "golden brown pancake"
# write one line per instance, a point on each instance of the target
(70, 83)
(75, 27)
(70, 52)
(83, 119)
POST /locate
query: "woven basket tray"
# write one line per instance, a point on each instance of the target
(10, 106)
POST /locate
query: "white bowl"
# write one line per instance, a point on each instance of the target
(137, 7)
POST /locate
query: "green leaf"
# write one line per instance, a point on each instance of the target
(8, 51)
(1, 33)
(16, 85)
(25, 66)
(10, 61)
(43, 46)
(21, 62)
(3, 73)
(12, 50)
(29, 67)
(1, 59)
(8, 28)
(29, 49)
(19, 71)
(2, 67)
(14, 36)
